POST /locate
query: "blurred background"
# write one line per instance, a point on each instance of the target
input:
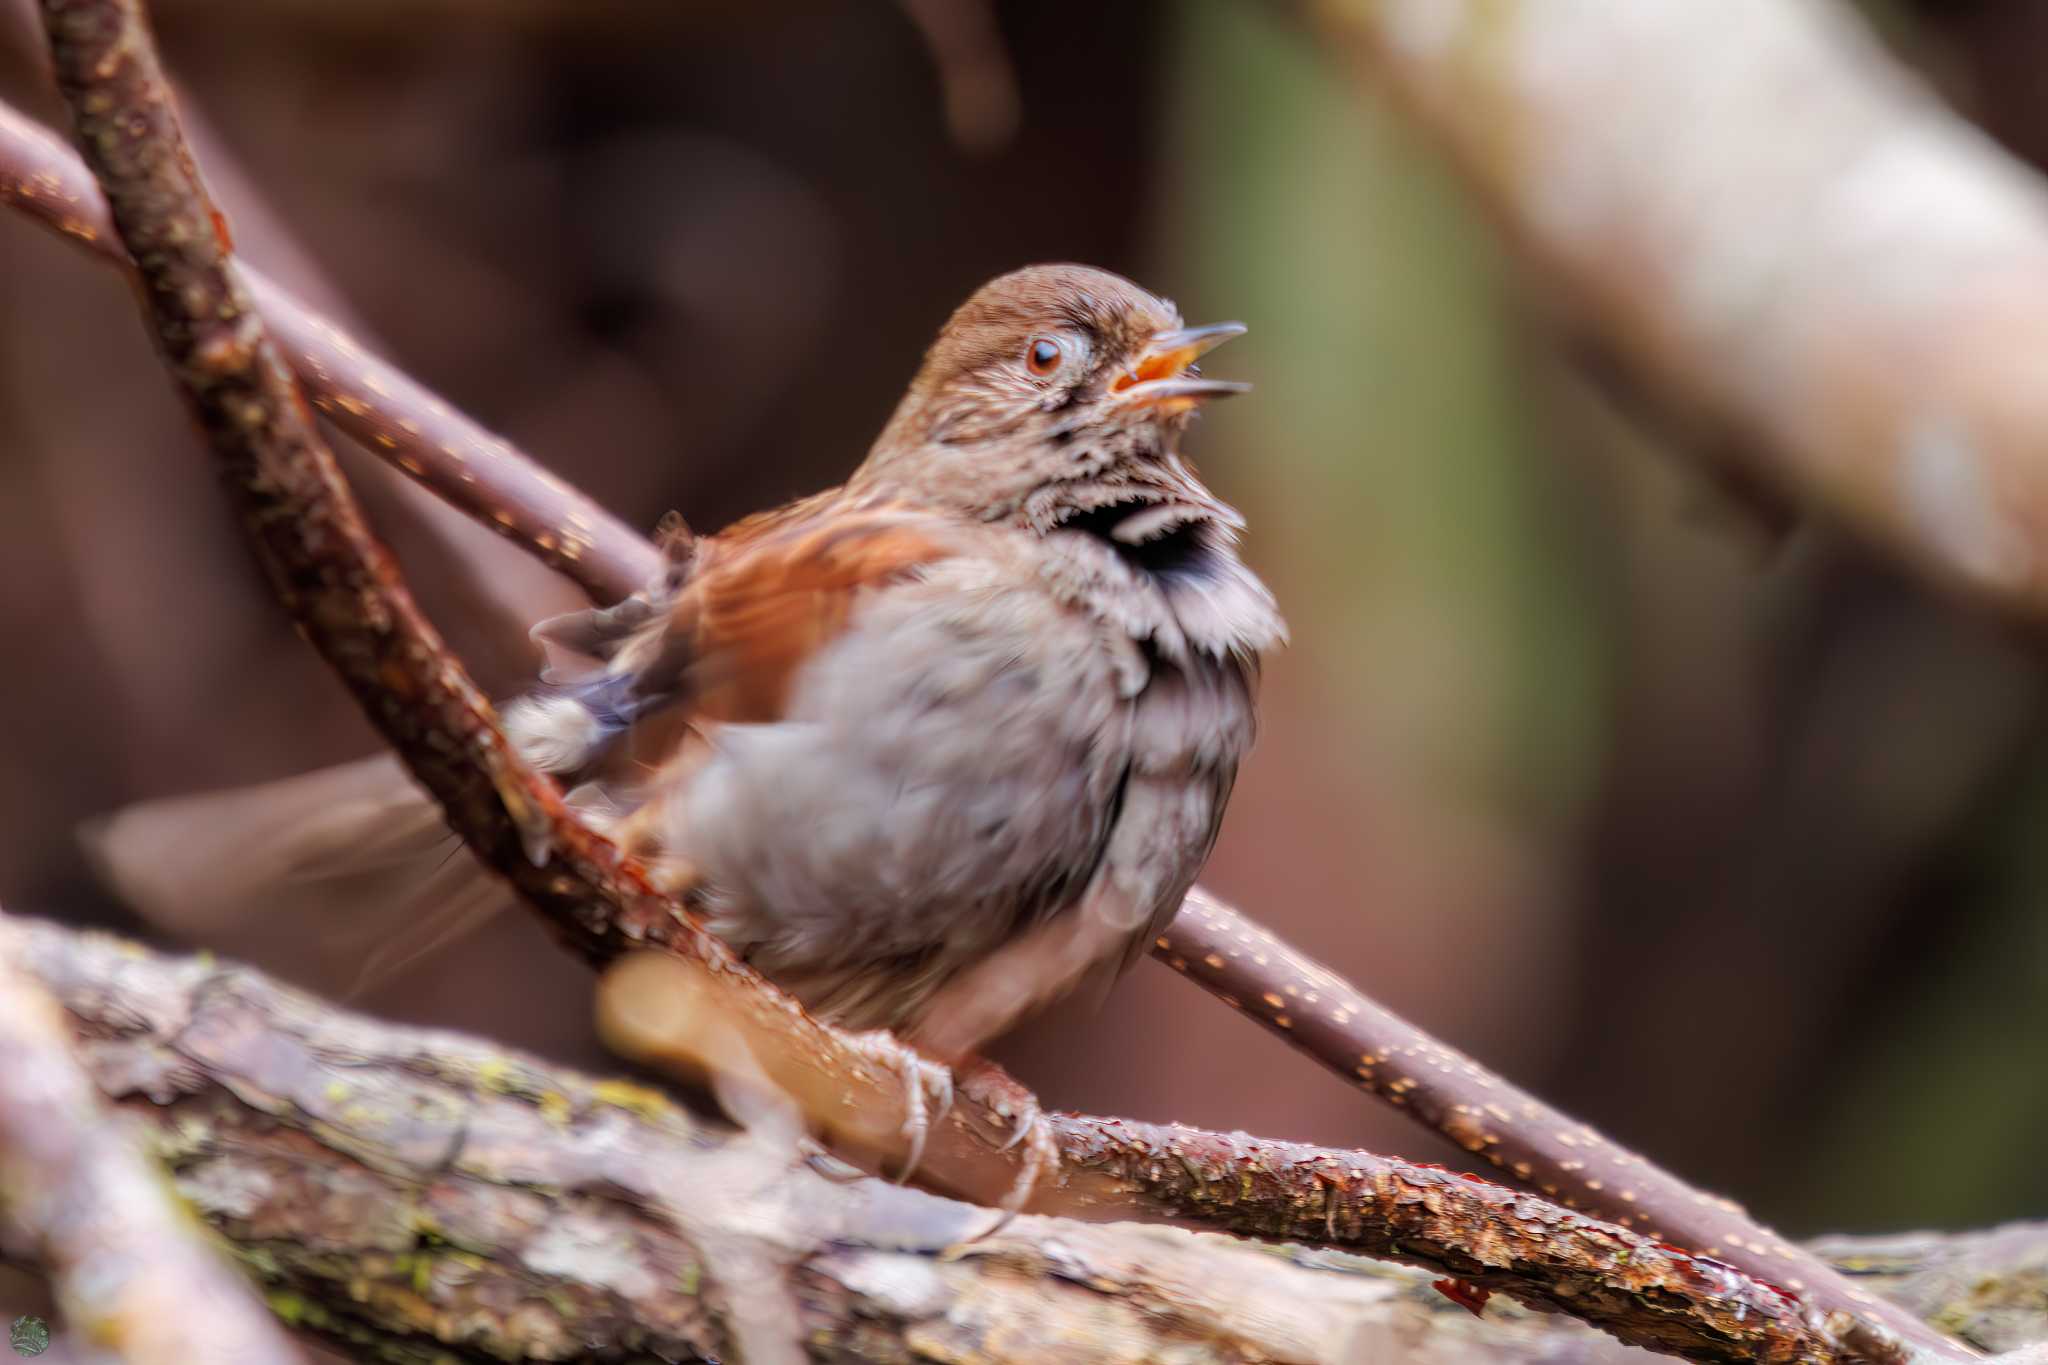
(1703, 824)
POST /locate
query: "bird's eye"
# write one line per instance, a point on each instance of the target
(1043, 355)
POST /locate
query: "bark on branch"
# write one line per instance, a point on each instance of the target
(130, 1271)
(1527, 1140)
(410, 1193)
(405, 1194)
(1477, 1233)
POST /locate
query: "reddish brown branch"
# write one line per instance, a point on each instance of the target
(1640, 1290)
(124, 1259)
(391, 415)
(1319, 1013)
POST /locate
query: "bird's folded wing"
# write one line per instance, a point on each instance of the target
(764, 597)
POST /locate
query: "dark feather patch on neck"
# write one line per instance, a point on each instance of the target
(1168, 541)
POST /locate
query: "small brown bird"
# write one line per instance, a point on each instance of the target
(930, 749)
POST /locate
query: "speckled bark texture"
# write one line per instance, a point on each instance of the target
(1526, 1139)
(1478, 1233)
(133, 1276)
(416, 1196)
(1483, 1237)
(412, 1194)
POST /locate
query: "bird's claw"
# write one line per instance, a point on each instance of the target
(1028, 1123)
(1031, 1129)
(927, 1093)
(1041, 1155)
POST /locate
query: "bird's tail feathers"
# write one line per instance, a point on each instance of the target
(341, 877)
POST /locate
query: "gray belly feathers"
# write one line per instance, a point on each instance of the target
(949, 770)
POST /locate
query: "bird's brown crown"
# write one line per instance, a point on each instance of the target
(1107, 316)
(1048, 385)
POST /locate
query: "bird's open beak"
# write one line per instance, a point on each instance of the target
(1159, 379)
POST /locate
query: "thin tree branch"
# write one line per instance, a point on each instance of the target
(391, 415)
(1483, 1236)
(1210, 943)
(495, 594)
(395, 1188)
(129, 1269)
(1319, 1013)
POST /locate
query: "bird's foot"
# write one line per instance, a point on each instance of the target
(991, 1086)
(927, 1089)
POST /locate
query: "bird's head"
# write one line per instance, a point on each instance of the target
(1055, 393)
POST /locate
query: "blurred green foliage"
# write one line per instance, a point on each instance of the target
(1398, 490)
